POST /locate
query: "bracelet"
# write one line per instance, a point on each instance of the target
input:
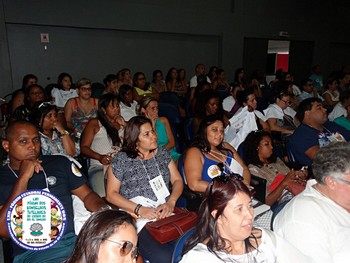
(137, 208)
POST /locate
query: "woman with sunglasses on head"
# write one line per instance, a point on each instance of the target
(78, 111)
(55, 139)
(262, 162)
(107, 236)
(225, 231)
(207, 151)
(139, 180)
(280, 116)
(101, 138)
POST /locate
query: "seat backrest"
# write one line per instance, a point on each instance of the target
(170, 111)
(188, 129)
(259, 185)
(169, 97)
(177, 254)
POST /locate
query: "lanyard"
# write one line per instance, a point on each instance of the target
(144, 167)
(224, 162)
(14, 173)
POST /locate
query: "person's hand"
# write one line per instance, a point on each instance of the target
(58, 126)
(148, 212)
(120, 120)
(105, 159)
(165, 210)
(290, 177)
(28, 167)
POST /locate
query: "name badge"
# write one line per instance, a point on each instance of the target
(159, 188)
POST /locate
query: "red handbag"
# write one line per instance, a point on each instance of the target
(172, 227)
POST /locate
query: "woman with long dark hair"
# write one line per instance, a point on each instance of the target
(209, 150)
(107, 236)
(101, 138)
(144, 180)
(225, 231)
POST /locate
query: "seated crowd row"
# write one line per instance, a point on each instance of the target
(127, 152)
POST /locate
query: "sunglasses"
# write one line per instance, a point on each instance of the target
(46, 103)
(86, 89)
(125, 248)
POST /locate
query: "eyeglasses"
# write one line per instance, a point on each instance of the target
(46, 103)
(125, 248)
(288, 102)
(86, 89)
(343, 181)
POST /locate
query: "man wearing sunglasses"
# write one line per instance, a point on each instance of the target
(309, 91)
(317, 221)
(27, 170)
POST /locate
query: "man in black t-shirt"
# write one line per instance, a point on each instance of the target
(28, 170)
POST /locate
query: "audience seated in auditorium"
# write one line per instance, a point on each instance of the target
(280, 116)
(78, 111)
(262, 162)
(331, 94)
(181, 78)
(247, 97)
(111, 84)
(18, 96)
(142, 88)
(230, 104)
(343, 81)
(31, 172)
(55, 139)
(107, 236)
(317, 78)
(174, 84)
(133, 172)
(239, 78)
(207, 104)
(340, 108)
(199, 70)
(101, 139)
(158, 83)
(149, 108)
(308, 91)
(220, 82)
(317, 221)
(225, 231)
(212, 73)
(209, 154)
(63, 92)
(344, 121)
(314, 132)
(124, 77)
(127, 104)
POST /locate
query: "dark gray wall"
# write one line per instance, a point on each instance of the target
(94, 38)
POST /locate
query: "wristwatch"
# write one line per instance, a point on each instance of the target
(64, 133)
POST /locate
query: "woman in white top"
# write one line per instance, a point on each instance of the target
(280, 116)
(127, 104)
(247, 97)
(101, 138)
(63, 92)
(225, 232)
(331, 95)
